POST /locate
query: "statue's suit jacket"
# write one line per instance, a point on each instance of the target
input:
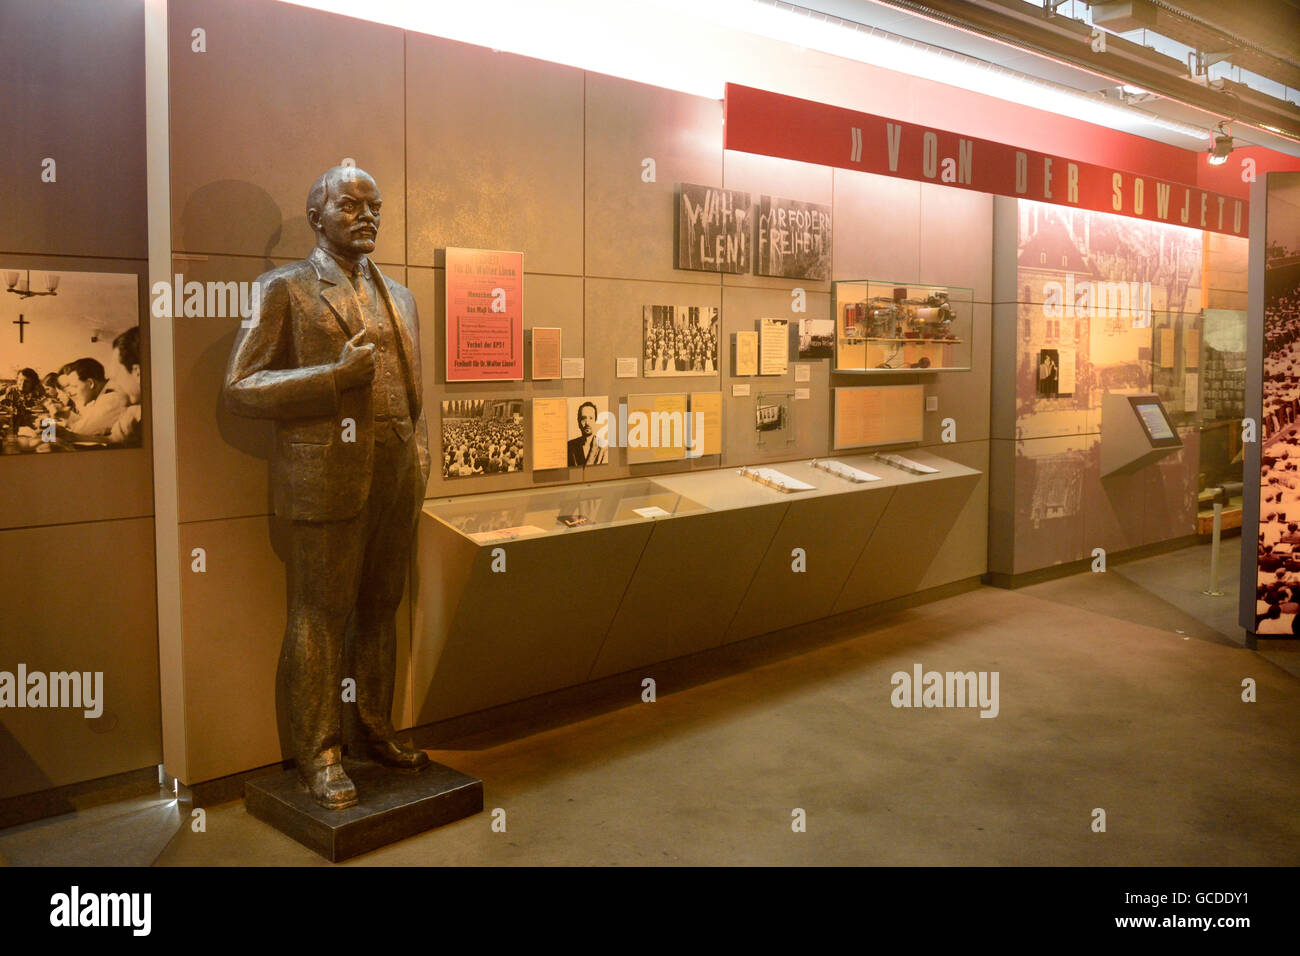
(283, 368)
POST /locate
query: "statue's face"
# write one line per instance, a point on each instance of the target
(349, 218)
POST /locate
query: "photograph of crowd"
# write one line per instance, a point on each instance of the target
(1277, 594)
(482, 437)
(679, 340)
(70, 365)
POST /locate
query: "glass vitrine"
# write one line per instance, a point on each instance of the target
(887, 326)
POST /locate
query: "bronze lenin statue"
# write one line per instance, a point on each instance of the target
(334, 360)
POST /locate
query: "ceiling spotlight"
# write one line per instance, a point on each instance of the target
(1222, 147)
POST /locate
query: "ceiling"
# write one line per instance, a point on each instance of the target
(1179, 59)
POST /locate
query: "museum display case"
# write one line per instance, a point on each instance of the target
(887, 326)
(510, 601)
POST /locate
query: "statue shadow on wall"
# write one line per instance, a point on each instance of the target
(228, 217)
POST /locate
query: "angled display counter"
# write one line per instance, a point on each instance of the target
(512, 601)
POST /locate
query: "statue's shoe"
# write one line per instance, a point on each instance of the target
(392, 754)
(330, 787)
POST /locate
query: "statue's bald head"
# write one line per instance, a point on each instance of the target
(330, 180)
(343, 210)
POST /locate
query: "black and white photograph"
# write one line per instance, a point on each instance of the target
(772, 412)
(588, 434)
(679, 340)
(70, 366)
(714, 229)
(794, 239)
(1049, 373)
(1277, 596)
(482, 436)
(816, 338)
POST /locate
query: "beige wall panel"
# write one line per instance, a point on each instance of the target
(526, 631)
(742, 308)
(613, 330)
(963, 396)
(1004, 352)
(906, 541)
(282, 94)
(832, 530)
(630, 223)
(221, 458)
(66, 487)
(73, 91)
(1002, 506)
(957, 239)
(107, 625)
(494, 154)
(1226, 259)
(877, 223)
(1049, 525)
(784, 179)
(687, 586)
(1226, 299)
(555, 301)
(964, 551)
(233, 717)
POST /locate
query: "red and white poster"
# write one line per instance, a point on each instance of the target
(485, 316)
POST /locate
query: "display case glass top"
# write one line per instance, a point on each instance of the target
(529, 513)
(884, 326)
(522, 514)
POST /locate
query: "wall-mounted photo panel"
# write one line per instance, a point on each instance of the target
(548, 353)
(589, 435)
(482, 436)
(794, 239)
(679, 340)
(878, 415)
(1277, 554)
(70, 368)
(714, 229)
(485, 316)
(773, 346)
(816, 338)
(774, 417)
(572, 432)
(657, 428)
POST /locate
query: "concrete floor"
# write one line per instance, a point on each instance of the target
(1097, 710)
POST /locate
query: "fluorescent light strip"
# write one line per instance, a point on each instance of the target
(684, 45)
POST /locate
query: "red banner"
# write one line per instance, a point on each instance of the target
(775, 125)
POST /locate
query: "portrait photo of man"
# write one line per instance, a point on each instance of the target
(589, 445)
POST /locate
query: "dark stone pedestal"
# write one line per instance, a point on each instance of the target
(394, 805)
